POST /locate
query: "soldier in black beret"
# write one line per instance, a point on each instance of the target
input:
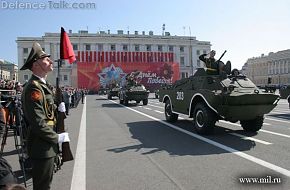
(39, 111)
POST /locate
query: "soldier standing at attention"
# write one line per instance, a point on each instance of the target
(39, 111)
(83, 95)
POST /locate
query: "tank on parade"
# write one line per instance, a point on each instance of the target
(133, 90)
(208, 98)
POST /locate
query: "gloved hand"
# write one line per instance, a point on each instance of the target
(61, 107)
(63, 137)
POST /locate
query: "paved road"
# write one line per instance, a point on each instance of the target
(132, 147)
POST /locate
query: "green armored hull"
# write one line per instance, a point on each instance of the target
(136, 93)
(114, 92)
(209, 98)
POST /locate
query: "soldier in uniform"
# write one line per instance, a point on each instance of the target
(213, 66)
(39, 111)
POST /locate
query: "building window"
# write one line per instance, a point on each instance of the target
(197, 52)
(181, 48)
(25, 50)
(181, 60)
(125, 47)
(137, 48)
(170, 48)
(24, 60)
(100, 47)
(75, 47)
(65, 78)
(88, 47)
(113, 47)
(25, 77)
(159, 47)
(148, 47)
(204, 52)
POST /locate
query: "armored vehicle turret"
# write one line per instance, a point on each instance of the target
(209, 98)
(133, 90)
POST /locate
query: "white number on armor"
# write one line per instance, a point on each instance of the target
(180, 96)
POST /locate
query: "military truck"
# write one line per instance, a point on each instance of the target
(209, 98)
(133, 90)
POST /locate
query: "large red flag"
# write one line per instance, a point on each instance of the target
(66, 49)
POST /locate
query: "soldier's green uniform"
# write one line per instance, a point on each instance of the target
(39, 108)
(211, 64)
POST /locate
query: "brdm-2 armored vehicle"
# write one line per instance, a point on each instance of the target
(133, 90)
(209, 98)
(113, 91)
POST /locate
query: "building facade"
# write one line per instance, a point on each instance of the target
(8, 70)
(273, 69)
(185, 50)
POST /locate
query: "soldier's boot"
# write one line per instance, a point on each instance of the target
(228, 67)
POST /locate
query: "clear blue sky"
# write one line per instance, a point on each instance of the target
(245, 28)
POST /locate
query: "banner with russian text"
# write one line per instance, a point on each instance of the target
(96, 75)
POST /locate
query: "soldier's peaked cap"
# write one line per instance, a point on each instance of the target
(35, 54)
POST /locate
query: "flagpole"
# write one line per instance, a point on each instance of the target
(66, 52)
(58, 72)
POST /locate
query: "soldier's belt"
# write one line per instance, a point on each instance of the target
(50, 122)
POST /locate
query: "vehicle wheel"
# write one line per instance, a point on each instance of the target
(145, 102)
(253, 125)
(170, 117)
(138, 101)
(204, 119)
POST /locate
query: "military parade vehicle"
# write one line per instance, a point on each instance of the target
(113, 91)
(285, 92)
(102, 91)
(133, 90)
(208, 98)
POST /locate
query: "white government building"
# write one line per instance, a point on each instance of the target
(185, 49)
(274, 68)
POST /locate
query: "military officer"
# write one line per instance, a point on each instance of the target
(39, 111)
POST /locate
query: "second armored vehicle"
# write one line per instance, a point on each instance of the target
(113, 91)
(133, 91)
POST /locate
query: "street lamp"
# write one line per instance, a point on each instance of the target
(190, 52)
(1, 72)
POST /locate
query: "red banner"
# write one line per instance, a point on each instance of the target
(93, 75)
